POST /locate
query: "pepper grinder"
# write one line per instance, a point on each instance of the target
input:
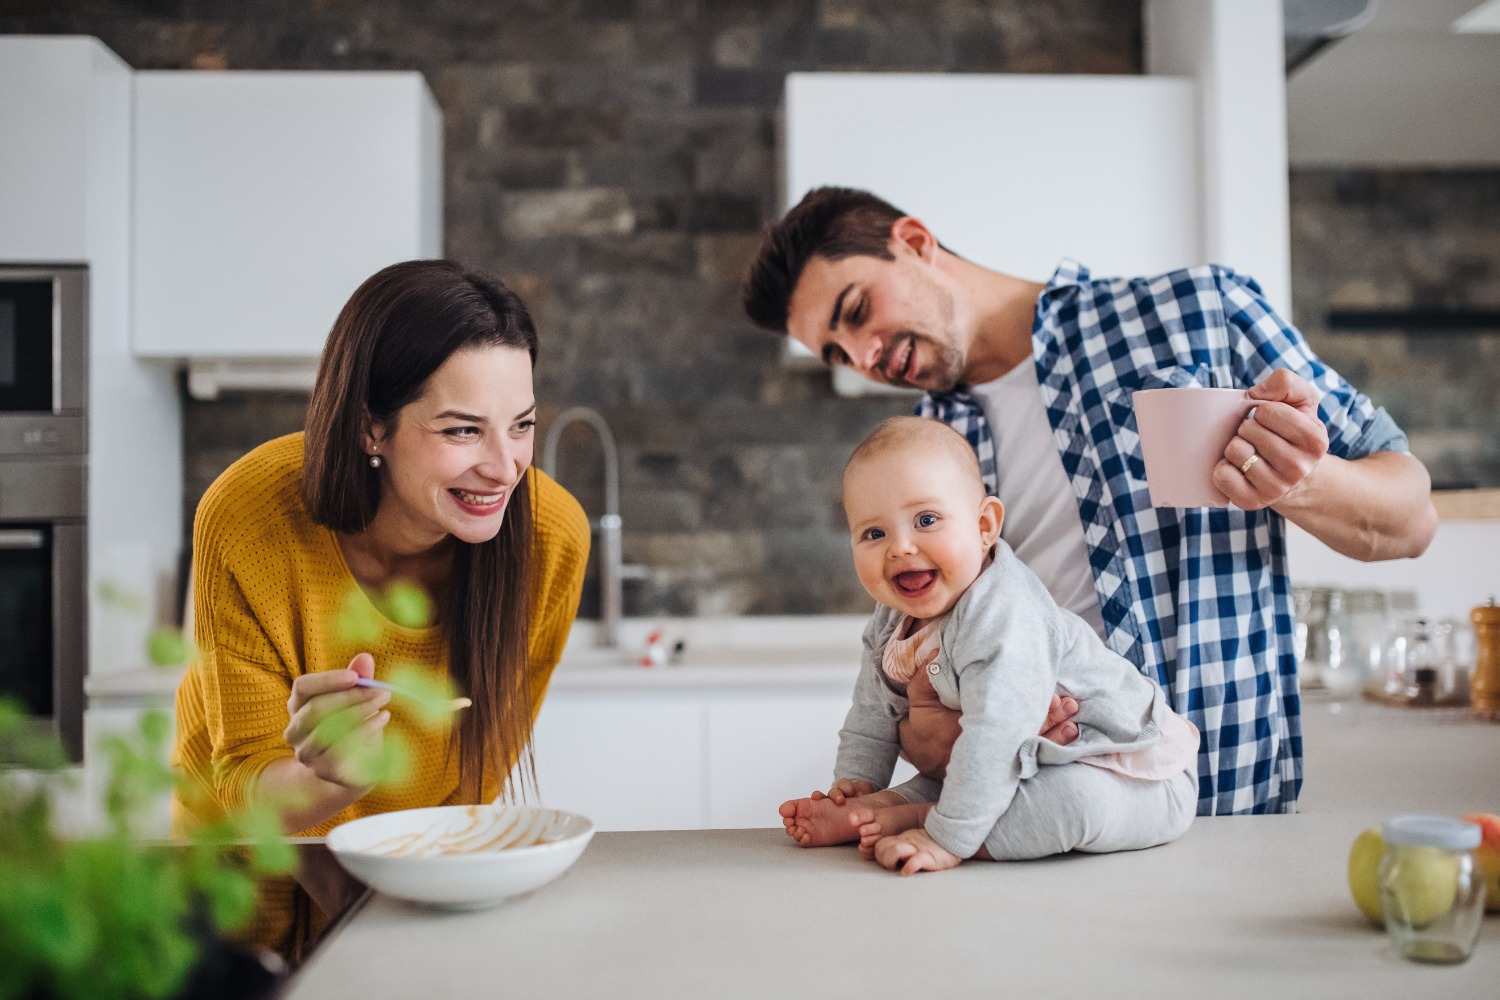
(1486, 682)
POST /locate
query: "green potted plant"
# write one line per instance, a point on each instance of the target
(106, 915)
(109, 915)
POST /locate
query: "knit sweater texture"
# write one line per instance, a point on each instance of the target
(269, 587)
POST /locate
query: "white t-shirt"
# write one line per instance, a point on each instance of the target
(1041, 514)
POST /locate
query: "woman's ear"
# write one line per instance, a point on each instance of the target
(991, 517)
(373, 435)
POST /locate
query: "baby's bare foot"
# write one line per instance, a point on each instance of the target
(870, 831)
(884, 822)
(819, 822)
(914, 851)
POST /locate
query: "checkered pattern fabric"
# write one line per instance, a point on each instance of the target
(1197, 598)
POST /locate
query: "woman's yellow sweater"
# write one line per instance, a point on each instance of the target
(269, 586)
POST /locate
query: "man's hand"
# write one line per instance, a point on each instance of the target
(930, 729)
(1277, 448)
(1059, 726)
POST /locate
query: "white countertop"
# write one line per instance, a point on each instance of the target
(1239, 907)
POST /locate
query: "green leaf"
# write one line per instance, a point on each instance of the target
(407, 604)
(429, 694)
(111, 594)
(358, 621)
(391, 762)
(168, 647)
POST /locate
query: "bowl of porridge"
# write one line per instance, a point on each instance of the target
(461, 857)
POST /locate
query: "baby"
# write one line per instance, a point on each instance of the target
(956, 603)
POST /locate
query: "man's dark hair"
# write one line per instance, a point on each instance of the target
(829, 222)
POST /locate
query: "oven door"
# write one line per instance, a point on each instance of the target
(43, 592)
(41, 627)
(26, 620)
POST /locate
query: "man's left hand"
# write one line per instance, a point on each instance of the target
(1277, 448)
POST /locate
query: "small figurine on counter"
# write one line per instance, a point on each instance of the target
(959, 613)
(656, 650)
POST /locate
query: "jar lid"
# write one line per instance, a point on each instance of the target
(1422, 830)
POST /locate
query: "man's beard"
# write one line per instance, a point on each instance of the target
(947, 368)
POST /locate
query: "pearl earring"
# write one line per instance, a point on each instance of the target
(374, 461)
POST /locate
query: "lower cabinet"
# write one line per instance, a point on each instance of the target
(624, 761)
(686, 759)
(763, 750)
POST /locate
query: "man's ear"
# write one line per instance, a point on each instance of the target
(991, 517)
(911, 235)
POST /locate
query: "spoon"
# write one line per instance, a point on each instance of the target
(369, 682)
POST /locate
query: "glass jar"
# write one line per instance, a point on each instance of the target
(1429, 893)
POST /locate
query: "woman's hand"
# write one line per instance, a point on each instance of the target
(334, 723)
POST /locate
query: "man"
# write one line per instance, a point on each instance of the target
(1039, 378)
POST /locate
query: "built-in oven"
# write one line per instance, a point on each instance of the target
(43, 500)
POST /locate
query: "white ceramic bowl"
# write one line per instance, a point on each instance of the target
(461, 857)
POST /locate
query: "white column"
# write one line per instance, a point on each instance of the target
(1233, 49)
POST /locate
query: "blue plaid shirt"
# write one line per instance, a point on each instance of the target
(1197, 598)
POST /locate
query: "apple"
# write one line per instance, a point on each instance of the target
(1420, 885)
(1364, 871)
(1487, 857)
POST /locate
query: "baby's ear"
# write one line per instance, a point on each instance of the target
(991, 517)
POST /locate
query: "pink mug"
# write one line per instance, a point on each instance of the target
(1183, 435)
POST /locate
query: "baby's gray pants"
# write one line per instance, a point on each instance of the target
(1079, 807)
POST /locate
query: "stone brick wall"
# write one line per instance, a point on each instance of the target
(614, 161)
(1408, 240)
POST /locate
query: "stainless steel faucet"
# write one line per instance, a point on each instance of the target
(612, 569)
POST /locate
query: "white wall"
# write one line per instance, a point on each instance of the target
(1458, 571)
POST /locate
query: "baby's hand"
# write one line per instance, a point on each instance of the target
(844, 789)
(914, 851)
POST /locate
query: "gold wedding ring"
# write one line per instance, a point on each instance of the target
(1245, 469)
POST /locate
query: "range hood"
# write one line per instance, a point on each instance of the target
(207, 377)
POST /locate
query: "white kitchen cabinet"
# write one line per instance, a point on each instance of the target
(764, 749)
(1113, 180)
(263, 199)
(65, 116)
(628, 762)
(685, 756)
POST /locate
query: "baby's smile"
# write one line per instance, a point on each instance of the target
(915, 582)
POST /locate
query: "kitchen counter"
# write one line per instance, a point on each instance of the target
(1239, 907)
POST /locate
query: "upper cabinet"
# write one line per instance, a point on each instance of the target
(65, 118)
(261, 200)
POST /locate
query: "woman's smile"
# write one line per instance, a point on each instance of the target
(479, 504)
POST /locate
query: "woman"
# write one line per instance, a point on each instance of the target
(415, 466)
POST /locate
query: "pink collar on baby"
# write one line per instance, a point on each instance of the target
(902, 658)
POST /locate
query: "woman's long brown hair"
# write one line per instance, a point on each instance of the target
(398, 328)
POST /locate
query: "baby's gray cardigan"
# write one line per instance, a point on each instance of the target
(1004, 649)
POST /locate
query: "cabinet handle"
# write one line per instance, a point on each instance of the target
(22, 538)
